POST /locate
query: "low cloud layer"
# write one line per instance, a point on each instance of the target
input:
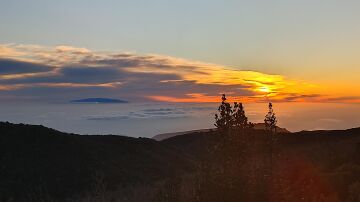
(159, 113)
(65, 73)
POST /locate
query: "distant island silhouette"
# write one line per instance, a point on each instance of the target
(99, 100)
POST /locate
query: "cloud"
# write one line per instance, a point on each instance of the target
(344, 99)
(9, 66)
(8, 52)
(158, 113)
(67, 73)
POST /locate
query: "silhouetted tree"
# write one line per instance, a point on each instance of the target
(224, 120)
(270, 119)
(270, 124)
(239, 117)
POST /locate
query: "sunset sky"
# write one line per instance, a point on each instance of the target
(180, 51)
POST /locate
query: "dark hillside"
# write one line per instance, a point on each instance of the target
(36, 160)
(302, 166)
(42, 164)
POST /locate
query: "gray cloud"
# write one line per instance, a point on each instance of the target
(8, 66)
(134, 85)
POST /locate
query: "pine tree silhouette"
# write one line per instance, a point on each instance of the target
(224, 120)
(270, 119)
(239, 117)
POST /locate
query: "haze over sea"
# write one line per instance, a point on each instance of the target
(149, 119)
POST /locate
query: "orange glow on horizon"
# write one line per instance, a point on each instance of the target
(201, 98)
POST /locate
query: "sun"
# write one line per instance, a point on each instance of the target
(264, 89)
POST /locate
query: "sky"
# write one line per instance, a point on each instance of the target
(180, 51)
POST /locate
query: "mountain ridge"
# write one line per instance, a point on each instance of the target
(163, 136)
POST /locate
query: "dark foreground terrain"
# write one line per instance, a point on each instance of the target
(42, 164)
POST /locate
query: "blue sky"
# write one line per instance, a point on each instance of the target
(265, 35)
